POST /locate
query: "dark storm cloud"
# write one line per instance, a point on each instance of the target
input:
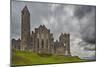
(81, 11)
(88, 31)
(87, 17)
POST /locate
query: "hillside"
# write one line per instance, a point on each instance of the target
(29, 58)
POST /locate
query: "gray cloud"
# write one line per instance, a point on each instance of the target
(87, 17)
(81, 11)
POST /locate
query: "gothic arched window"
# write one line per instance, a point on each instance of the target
(42, 43)
(47, 43)
(38, 44)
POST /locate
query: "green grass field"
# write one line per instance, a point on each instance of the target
(29, 58)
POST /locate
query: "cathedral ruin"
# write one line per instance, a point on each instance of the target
(40, 40)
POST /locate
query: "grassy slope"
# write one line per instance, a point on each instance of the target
(28, 58)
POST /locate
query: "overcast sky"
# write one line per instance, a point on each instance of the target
(78, 20)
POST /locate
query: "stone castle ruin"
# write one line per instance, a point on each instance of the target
(41, 39)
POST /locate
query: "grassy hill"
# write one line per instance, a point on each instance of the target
(29, 58)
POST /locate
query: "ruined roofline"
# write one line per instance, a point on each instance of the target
(42, 27)
(64, 33)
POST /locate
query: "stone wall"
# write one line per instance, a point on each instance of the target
(64, 40)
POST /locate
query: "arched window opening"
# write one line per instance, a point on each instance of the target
(42, 43)
(38, 44)
(47, 43)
